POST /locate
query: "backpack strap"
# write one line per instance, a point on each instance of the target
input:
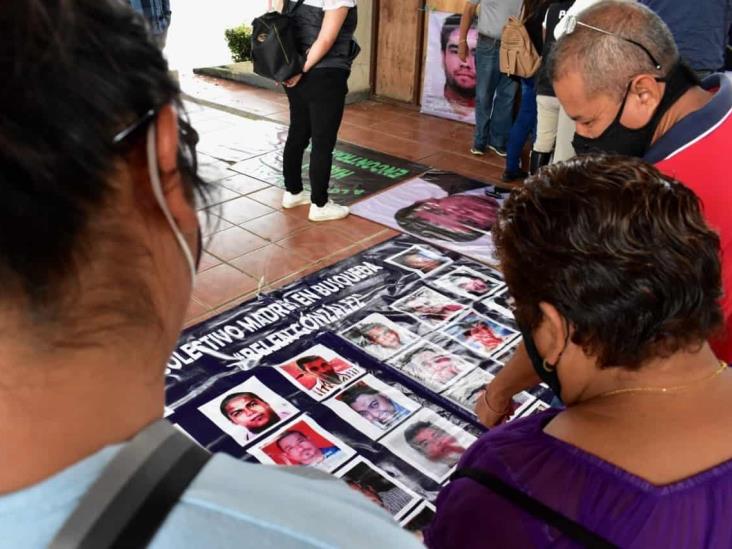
(290, 11)
(135, 493)
(570, 528)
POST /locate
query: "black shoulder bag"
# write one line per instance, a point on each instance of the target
(573, 530)
(135, 493)
(274, 44)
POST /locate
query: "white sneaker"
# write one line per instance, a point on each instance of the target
(290, 200)
(330, 212)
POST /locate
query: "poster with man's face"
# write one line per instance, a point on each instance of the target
(303, 442)
(379, 336)
(248, 410)
(449, 81)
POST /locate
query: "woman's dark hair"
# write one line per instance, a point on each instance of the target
(621, 251)
(532, 8)
(74, 73)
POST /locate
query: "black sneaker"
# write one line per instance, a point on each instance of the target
(500, 151)
(518, 175)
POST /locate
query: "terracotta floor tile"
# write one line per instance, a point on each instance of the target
(233, 242)
(221, 194)
(316, 242)
(243, 184)
(242, 210)
(339, 256)
(222, 284)
(194, 312)
(275, 226)
(210, 222)
(208, 261)
(356, 228)
(270, 263)
(271, 196)
(377, 239)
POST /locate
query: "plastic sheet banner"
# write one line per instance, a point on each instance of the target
(445, 209)
(367, 370)
(449, 82)
(356, 172)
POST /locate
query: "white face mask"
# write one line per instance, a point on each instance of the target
(157, 188)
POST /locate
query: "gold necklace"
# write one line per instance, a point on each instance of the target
(666, 390)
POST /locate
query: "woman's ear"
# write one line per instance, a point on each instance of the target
(554, 332)
(174, 192)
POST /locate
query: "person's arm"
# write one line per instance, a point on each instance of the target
(465, 21)
(332, 24)
(517, 375)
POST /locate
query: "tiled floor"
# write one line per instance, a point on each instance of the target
(252, 244)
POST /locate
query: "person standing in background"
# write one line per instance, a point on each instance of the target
(547, 124)
(700, 30)
(495, 92)
(533, 14)
(317, 96)
(157, 13)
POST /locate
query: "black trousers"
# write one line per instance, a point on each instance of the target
(316, 111)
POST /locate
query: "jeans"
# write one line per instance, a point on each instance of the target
(316, 111)
(494, 95)
(524, 125)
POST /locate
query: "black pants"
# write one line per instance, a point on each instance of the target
(316, 111)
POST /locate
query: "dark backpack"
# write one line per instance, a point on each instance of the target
(274, 44)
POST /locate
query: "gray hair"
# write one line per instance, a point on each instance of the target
(608, 63)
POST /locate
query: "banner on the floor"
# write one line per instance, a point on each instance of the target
(446, 209)
(368, 370)
(356, 172)
(449, 82)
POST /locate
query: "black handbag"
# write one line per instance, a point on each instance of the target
(274, 45)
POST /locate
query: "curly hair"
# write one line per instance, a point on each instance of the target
(621, 251)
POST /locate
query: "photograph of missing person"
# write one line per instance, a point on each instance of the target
(372, 406)
(536, 408)
(303, 442)
(429, 306)
(501, 303)
(431, 365)
(480, 334)
(319, 371)
(521, 403)
(468, 389)
(420, 259)
(387, 492)
(248, 410)
(379, 336)
(466, 282)
(419, 519)
(429, 443)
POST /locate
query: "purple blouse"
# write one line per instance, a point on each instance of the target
(619, 506)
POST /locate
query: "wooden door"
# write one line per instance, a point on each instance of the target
(399, 50)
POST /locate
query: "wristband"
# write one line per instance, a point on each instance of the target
(504, 412)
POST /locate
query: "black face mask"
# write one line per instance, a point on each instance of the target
(199, 252)
(617, 139)
(546, 372)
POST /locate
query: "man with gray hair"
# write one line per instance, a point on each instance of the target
(618, 74)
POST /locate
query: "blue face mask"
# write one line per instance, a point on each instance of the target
(546, 372)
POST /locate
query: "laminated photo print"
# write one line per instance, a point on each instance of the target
(379, 336)
(468, 283)
(419, 519)
(480, 333)
(501, 303)
(305, 443)
(420, 259)
(248, 411)
(431, 365)
(536, 408)
(372, 406)
(429, 443)
(468, 389)
(319, 371)
(374, 483)
(520, 404)
(429, 306)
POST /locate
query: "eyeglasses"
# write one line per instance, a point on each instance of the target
(141, 122)
(572, 23)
